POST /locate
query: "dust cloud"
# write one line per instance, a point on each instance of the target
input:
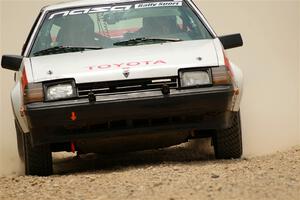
(10, 164)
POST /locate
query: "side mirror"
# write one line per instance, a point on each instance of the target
(231, 41)
(11, 62)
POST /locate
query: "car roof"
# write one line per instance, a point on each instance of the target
(80, 3)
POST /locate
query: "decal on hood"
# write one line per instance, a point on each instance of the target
(127, 64)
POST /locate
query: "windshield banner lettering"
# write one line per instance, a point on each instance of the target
(158, 4)
(115, 8)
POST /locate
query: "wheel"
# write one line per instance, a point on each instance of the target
(228, 142)
(20, 141)
(38, 159)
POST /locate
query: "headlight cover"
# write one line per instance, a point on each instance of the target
(195, 78)
(63, 90)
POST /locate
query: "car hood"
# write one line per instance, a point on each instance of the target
(121, 63)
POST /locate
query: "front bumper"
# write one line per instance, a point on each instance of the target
(130, 113)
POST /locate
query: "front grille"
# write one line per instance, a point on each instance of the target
(112, 87)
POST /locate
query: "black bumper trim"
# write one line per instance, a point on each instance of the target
(201, 108)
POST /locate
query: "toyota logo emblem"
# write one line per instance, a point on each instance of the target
(126, 73)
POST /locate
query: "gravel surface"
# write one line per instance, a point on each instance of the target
(175, 173)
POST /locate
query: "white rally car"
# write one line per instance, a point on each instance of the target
(109, 76)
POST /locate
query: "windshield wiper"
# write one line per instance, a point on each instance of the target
(143, 40)
(64, 49)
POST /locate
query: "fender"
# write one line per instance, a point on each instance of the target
(236, 72)
(17, 95)
(17, 102)
(238, 78)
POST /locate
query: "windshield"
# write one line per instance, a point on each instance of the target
(104, 26)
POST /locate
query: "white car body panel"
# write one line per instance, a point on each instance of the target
(237, 75)
(238, 78)
(219, 51)
(16, 94)
(145, 61)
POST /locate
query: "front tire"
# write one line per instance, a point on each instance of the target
(228, 142)
(38, 159)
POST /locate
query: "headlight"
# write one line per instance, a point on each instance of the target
(60, 91)
(195, 78)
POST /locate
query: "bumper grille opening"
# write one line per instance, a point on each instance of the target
(161, 121)
(135, 123)
(109, 87)
(117, 124)
(141, 123)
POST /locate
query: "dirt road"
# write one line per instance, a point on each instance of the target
(175, 173)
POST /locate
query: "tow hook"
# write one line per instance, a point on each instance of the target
(165, 89)
(92, 97)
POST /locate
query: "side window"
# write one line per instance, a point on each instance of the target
(193, 25)
(179, 22)
(44, 38)
(54, 32)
